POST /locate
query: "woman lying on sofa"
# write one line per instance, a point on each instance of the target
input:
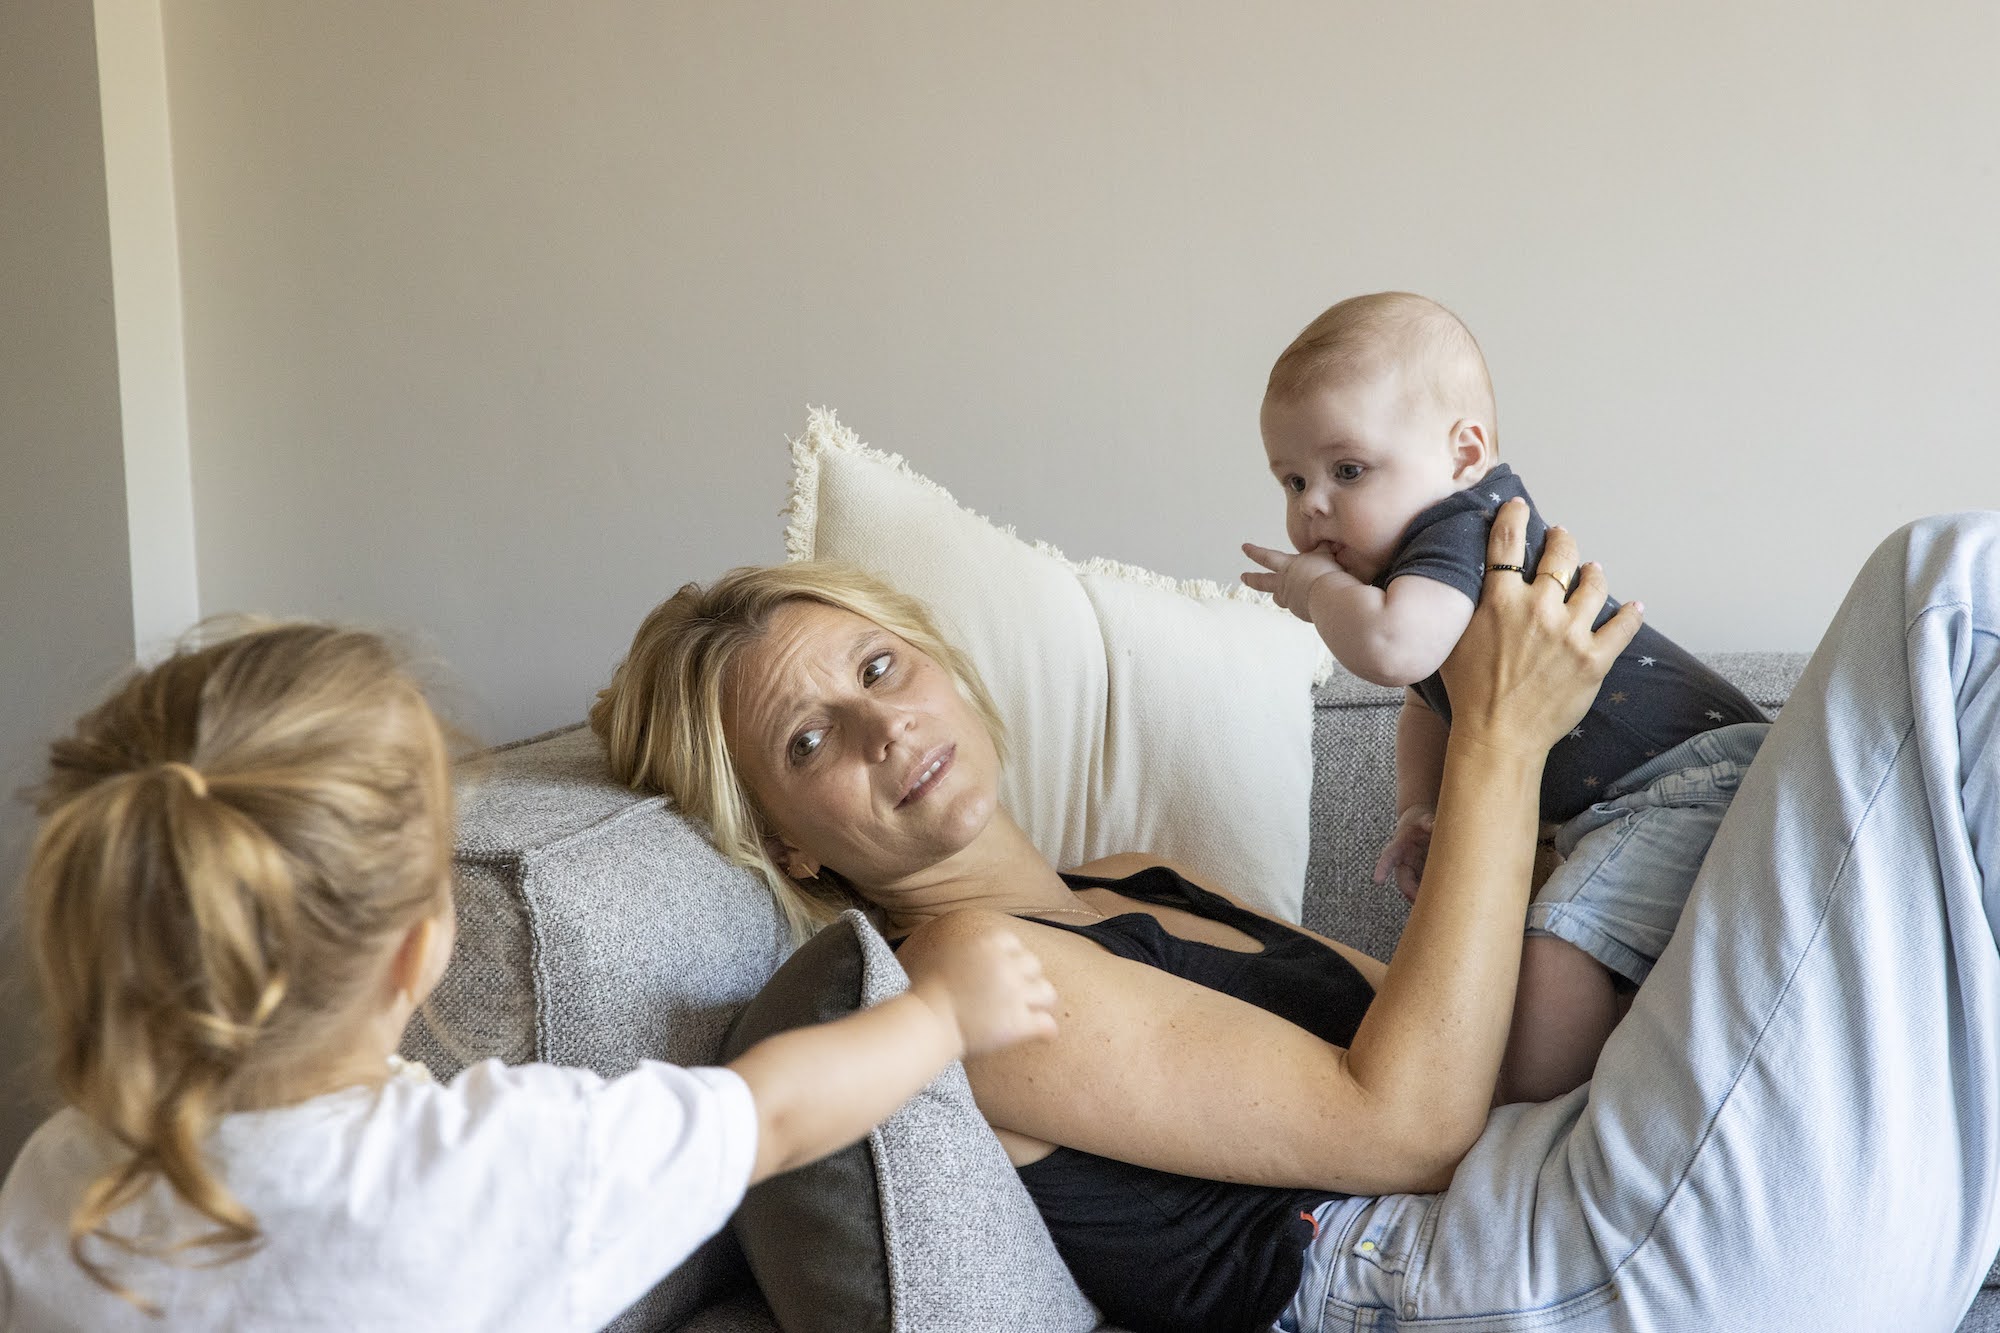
(1240, 1124)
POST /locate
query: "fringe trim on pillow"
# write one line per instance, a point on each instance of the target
(824, 432)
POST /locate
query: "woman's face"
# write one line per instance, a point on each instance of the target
(859, 749)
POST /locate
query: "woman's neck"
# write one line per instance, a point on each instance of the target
(1002, 871)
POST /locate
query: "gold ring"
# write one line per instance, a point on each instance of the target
(1551, 574)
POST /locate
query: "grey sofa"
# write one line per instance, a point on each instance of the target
(596, 927)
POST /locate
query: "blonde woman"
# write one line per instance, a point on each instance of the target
(239, 892)
(1240, 1126)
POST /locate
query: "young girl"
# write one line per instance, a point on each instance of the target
(240, 891)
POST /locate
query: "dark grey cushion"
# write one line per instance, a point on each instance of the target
(741, 1314)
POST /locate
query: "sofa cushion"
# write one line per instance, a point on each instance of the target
(596, 927)
(1142, 713)
(922, 1225)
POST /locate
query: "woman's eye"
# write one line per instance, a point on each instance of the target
(875, 668)
(804, 744)
(1347, 471)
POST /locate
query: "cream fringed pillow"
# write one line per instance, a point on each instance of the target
(1143, 714)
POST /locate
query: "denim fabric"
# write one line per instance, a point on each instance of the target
(1797, 1126)
(1630, 859)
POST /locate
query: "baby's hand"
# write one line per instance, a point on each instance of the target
(1407, 850)
(1291, 576)
(974, 971)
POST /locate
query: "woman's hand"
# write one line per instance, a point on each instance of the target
(1528, 665)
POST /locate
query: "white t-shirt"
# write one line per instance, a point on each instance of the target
(517, 1197)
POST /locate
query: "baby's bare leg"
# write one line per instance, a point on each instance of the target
(1564, 1008)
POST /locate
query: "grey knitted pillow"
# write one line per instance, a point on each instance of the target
(923, 1225)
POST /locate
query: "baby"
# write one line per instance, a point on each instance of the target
(1379, 423)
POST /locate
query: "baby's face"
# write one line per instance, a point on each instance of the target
(1358, 460)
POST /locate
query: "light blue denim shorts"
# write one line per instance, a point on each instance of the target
(1629, 860)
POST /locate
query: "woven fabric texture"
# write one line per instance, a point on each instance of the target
(742, 1314)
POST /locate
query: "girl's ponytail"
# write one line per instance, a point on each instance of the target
(226, 844)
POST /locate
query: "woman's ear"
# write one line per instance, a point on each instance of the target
(1472, 451)
(795, 863)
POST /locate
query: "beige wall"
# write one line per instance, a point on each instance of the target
(497, 312)
(66, 592)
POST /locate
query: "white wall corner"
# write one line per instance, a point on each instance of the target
(146, 299)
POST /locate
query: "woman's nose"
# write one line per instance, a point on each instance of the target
(885, 723)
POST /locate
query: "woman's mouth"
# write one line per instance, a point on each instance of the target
(934, 765)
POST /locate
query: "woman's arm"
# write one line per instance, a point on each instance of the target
(1155, 1070)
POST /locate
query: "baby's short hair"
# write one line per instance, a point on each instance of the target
(1366, 335)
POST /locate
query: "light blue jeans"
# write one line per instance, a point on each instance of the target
(1630, 860)
(1797, 1126)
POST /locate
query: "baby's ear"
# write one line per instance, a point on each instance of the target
(1472, 449)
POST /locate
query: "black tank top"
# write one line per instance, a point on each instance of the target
(1166, 1253)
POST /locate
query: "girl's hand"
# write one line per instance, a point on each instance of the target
(1528, 665)
(1291, 577)
(1408, 847)
(974, 971)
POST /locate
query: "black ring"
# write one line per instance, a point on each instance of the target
(1518, 569)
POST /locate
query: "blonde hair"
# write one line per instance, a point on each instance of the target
(226, 844)
(661, 717)
(1365, 336)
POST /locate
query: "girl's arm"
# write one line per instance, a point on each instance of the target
(973, 988)
(1155, 1070)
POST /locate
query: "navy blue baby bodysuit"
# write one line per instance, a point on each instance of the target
(1656, 696)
